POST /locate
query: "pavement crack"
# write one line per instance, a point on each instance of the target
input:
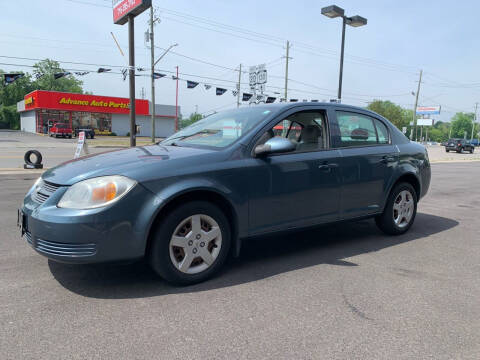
(355, 310)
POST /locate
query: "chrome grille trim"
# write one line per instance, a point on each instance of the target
(43, 191)
(63, 249)
(28, 238)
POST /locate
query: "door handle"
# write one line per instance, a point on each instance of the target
(327, 167)
(388, 159)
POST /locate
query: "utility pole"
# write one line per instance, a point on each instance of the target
(416, 104)
(131, 64)
(474, 121)
(152, 58)
(238, 85)
(285, 122)
(286, 71)
(176, 105)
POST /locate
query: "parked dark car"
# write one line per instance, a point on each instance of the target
(459, 145)
(187, 202)
(89, 132)
(474, 142)
(61, 130)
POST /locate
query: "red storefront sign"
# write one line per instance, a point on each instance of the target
(53, 100)
(123, 8)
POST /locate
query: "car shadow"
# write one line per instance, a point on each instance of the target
(260, 258)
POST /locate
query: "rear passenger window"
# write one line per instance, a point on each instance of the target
(382, 132)
(356, 129)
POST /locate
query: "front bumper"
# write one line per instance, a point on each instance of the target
(114, 233)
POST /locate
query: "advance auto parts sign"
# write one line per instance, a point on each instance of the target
(109, 104)
(123, 8)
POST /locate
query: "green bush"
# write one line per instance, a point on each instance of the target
(112, 134)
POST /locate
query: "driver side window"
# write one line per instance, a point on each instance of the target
(306, 129)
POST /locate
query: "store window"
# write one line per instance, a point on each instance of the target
(101, 123)
(47, 118)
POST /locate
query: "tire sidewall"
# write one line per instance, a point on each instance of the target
(159, 255)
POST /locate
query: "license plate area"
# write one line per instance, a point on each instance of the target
(22, 222)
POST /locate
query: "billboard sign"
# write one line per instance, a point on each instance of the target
(428, 110)
(123, 8)
(425, 122)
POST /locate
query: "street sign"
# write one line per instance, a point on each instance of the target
(81, 145)
(404, 129)
(425, 122)
(428, 110)
(123, 8)
(252, 75)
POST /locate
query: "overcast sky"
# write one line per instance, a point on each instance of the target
(382, 61)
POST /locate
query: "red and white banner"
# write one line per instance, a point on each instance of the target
(123, 8)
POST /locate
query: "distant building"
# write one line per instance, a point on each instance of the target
(105, 114)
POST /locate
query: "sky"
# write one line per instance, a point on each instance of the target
(382, 59)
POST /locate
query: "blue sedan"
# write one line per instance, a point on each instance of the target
(187, 202)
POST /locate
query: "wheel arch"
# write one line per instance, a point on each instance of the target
(410, 178)
(197, 194)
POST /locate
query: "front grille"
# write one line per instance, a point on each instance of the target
(43, 191)
(63, 249)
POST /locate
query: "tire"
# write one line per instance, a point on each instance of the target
(69, 136)
(471, 150)
(166, 259)
(386, 221)
(28, 154)
(447, 150)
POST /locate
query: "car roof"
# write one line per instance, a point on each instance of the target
(336, 106)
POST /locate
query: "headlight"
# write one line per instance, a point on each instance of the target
(96, 192)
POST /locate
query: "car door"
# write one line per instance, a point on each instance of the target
(368, 161)
(294, 189)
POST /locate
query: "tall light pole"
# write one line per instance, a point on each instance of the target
(334, 11)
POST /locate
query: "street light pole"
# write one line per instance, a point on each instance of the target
(131, 71)
(334, 11)
(340, 76)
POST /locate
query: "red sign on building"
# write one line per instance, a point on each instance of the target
(54, 100)
(123, 8)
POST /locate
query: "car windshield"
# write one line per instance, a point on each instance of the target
(220, 129)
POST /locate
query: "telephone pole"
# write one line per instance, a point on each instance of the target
(152, 59)
(238, 85)
(416, 104)
(474, 121)
(286, 71)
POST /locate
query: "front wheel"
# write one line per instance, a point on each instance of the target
(191, 243)
(400, 210)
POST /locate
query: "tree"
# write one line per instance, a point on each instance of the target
(397, 115)
(461, 123)
(12, 93)
(44, 72)
(194, 117)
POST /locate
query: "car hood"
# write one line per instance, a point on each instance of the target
(133, 162)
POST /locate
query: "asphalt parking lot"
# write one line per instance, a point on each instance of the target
(337, 292)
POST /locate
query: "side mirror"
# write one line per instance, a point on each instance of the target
(275, 145)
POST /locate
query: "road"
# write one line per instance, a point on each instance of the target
(338, 292)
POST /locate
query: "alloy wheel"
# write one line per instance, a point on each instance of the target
(403, 208)
(195, 244)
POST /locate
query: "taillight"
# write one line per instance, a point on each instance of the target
(459, 144)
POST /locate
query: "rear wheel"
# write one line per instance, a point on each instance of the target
(191, 243)
(471, 150)
(447, 150)
(400, 210)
